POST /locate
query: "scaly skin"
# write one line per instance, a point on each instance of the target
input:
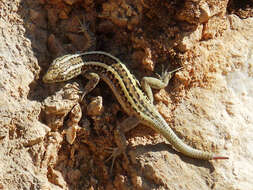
(126, 89)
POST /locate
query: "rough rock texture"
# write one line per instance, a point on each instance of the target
(48, 140)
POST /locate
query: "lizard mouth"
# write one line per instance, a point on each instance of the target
(47, 78)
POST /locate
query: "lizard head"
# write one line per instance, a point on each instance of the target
(63, 68)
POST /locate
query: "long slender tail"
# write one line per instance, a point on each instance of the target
(180, 146)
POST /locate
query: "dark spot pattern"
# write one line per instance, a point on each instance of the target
(133, 92)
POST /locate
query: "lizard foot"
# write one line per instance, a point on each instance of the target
(115, 152)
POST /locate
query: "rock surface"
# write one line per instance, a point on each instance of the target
(46, 143)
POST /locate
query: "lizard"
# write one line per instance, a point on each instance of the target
(135, 98)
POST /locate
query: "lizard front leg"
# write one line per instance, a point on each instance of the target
(148, 83)
(92, 83)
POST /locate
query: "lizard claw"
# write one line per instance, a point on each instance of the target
(166, 72)
(82, 27)
(115, 152)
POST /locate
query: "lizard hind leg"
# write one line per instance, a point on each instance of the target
(120, 139)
